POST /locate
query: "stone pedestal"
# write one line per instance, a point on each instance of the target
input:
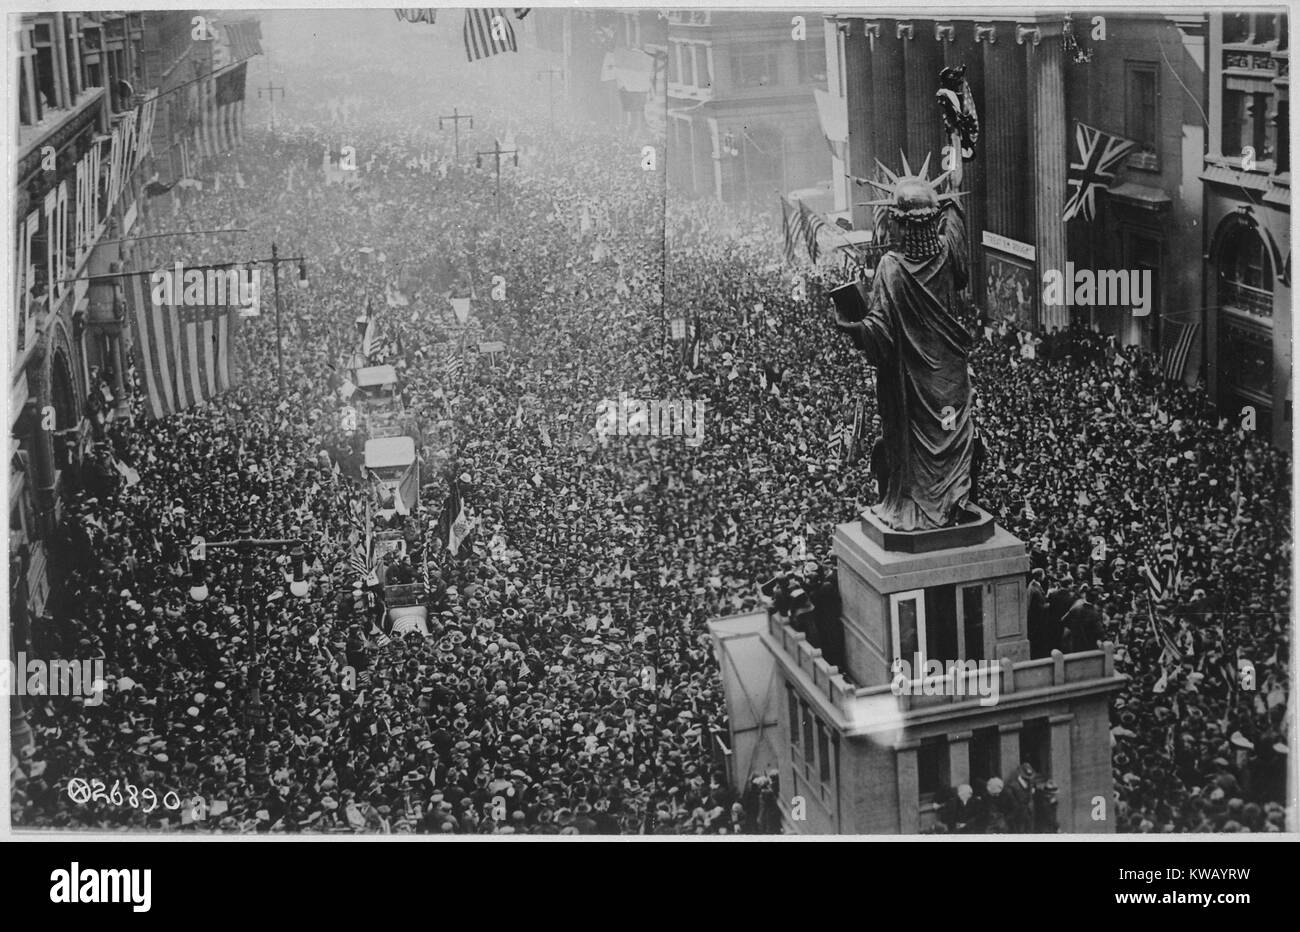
(956, 592)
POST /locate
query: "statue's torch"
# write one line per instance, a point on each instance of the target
(957, 107)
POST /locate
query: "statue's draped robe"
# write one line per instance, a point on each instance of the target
(912, 336)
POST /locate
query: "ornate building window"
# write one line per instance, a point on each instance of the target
(1247, 122)
(1246, 359)
(1141, 114)
(1246, 274)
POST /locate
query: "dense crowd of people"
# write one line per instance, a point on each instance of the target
(568, 685)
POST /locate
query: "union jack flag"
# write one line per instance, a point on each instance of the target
(1099, 155)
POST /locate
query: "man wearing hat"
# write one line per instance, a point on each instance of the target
(1018, 794)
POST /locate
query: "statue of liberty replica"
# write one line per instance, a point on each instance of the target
(905, 322)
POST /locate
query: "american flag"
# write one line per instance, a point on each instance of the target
(1099, 155)
(800, 223)
(406, 625)
(488, 32)
(186, 354)
(853, 434)
(1178, 345)
(836, 445)
(361, 562)
(221, 127)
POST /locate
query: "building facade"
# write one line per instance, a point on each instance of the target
(588, 46)
(742, 123)
(1247, 177)
(1035, 78)
(83, 146)
(94, 130)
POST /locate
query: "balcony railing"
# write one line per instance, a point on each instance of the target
(863, 706)
(1257, 302)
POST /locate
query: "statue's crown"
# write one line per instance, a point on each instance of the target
(912, 196)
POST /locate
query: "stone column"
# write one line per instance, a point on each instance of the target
(889, 110)
(857, 82)
(1060, 769)
(1007, 152)
(1049, 152)
(909, 793)
(1009, 749)
(64, 91)
(922, 59)
(959, 757)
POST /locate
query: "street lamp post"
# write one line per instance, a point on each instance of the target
(456, 117)
(246, 546)
(497, 152)
(276, 259)
(279, 341)
(270, 89)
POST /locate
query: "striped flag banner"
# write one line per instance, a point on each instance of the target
(221, 101)
(854, 434)
(800, 225)
(361, 562)
(488, 32)
(408, 623)
(186, 354)
(810, 224)
(1169, 652)
(227, 103)
(836, 444)
(788, 232)
(1179, 338)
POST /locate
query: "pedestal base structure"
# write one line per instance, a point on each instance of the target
(864, 746)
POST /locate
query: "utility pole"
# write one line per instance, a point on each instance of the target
(456, 117)
(279, 342)
(497, 152)
(270, 89)
(245, 546)
(550, 96)
(276, 259)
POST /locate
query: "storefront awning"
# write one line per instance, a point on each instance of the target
(1141, 196)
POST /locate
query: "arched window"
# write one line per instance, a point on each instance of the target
(1246, 273)
(64, 397)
